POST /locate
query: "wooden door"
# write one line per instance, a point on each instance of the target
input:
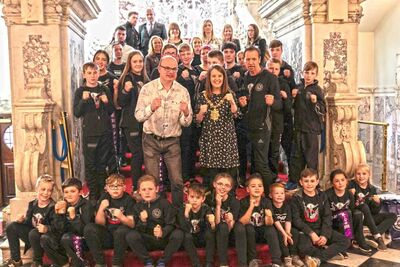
(7, 184)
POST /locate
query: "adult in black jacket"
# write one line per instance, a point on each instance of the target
(149, 29)
(263, 97)
(132, 80)
(132, 35)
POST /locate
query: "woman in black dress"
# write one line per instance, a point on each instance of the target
(216, 110)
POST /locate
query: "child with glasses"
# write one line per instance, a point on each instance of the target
(226, 207)
(114, 218)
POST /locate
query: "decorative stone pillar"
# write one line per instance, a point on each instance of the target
(333, 42)
(46, 54)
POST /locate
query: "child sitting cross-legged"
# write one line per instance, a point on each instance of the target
(66, 237)
(288, 236)
(368, 202)
(29, 227)
(155, 225)
(313, 218)
(198, 225)
(256, 216)
(114, 218)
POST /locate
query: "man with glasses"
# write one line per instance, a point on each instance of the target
(164, 107)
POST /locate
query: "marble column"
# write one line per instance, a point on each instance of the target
(333, 41)
(46, 54)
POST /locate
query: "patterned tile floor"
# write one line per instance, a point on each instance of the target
(388, 258)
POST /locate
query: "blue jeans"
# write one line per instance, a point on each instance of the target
(171, 150)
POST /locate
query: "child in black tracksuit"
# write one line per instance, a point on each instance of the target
(155, 225)
(114, 218)
(288, 236)
(94, 103)
(29, 227)
(256, 216)
(278, 115)
(309, 110)
(368, 202)
(129, 87)
(198, 225)
(346, 219)
(226, 207)
(313, 218)
(71, 215)
(188, 77)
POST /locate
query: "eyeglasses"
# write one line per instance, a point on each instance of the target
(223, 185)
(169, 69)
(115, 187)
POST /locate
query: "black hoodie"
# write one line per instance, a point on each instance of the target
(312, 213)
(159, 212)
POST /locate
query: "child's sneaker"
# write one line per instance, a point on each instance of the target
(11, 263)
(312, 262)
(148, 263)
(381, 244)
(160, 263)
(371, 242)
(291, 186)
(296, 261)
(365, 248)
(255, 263)
(288, 262)
(338, 257)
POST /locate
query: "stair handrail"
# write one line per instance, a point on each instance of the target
(385, 126)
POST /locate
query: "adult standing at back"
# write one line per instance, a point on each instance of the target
(164, 107)
(254, 39)
(149, 29)
(132, 35)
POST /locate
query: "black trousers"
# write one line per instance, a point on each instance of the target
(98, 238)
(259, 140)
(99, 155)
(67, 244)
(305, 153)
(224, 237)
(273, 157)
(377, 223)
(338, 243)
(287, 139)
(142, 243)
(29, 235)
(200, 240)
(263, 234)
(52, 246)
(188, 153)
(290, 250)
(134, 140)
(242, 140)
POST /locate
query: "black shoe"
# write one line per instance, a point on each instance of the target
(371, 241)
(365, 248)
(123, 162)
(381, 244)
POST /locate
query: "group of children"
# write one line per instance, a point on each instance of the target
(311, 227)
